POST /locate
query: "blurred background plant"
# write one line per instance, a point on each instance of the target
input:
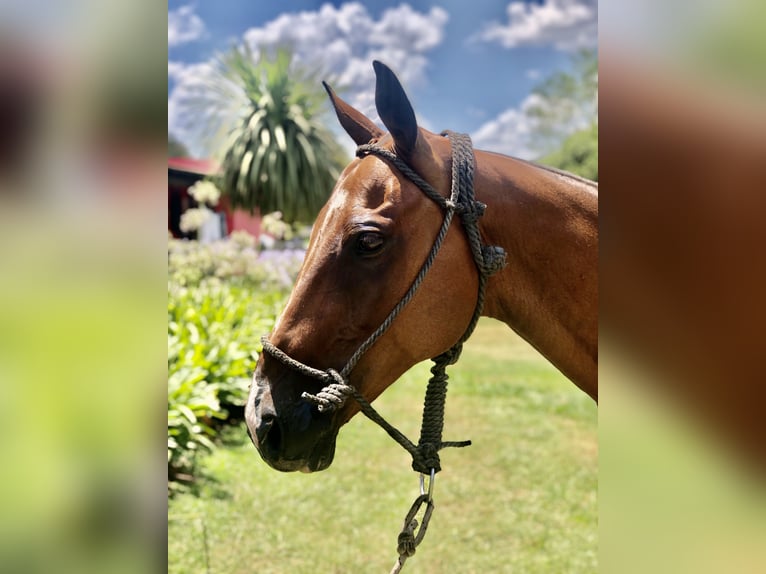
(261, 116)
(222, 296)
(206, 194)
(265, 116)
(280, 234)
(233, 260)
(578, 153)
(565, 117)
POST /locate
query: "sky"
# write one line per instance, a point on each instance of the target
(466, 66)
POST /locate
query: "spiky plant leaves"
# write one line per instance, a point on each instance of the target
(280, 156)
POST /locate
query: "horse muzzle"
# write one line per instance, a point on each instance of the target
(289, 433)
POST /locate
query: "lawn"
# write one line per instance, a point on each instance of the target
(521, 499)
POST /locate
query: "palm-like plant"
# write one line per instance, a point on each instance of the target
(279, 156)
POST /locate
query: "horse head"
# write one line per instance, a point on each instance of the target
(367, 246)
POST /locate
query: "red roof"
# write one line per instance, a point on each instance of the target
(191, 165)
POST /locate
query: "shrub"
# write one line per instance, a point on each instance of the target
(222, 296)
(191, 402)
(234, 260)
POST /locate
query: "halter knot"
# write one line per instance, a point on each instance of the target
(332, 396)
(493, 259)
(450, 356)
(406, 544)
(488, 260)
(470, 212)
(427, 458)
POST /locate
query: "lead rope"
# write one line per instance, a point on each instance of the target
(488, 259)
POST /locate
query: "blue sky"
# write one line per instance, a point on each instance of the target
(467, 66)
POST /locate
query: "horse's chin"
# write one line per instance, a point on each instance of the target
(320, 459)
(320, 464)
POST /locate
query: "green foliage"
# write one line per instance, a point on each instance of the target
(214, 331)
(578, 154)
(522, 498)
(191, 402)
(566, 117)
(566, 102)
(222, 297)
(234, 260)
(279, 157)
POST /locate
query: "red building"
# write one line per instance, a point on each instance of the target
(183, 172)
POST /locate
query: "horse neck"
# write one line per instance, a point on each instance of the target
(547, 222)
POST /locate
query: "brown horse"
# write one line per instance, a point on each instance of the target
(367, 246)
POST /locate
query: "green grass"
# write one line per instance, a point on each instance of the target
(521, 499)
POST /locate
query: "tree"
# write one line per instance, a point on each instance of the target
(578, 154)
(565, 102)
(279, 155)
(565, 116)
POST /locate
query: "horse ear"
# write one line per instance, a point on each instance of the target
(357, 125)
(395, 109)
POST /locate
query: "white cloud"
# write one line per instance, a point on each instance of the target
(340, 42)
(184, 26)
(510, 132)
(533, 74)
(565, 24)
(176, 70)
(192, 83)
(535, 127)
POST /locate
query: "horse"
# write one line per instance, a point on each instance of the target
(366, 249)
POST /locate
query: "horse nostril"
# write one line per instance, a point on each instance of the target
(269, 434)
(274, 439)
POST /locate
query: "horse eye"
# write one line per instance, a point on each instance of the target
(369, 243)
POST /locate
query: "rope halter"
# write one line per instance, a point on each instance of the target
(488, 259)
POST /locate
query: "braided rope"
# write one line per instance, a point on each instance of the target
(364, 347)
(488, 259)
(407, 171)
